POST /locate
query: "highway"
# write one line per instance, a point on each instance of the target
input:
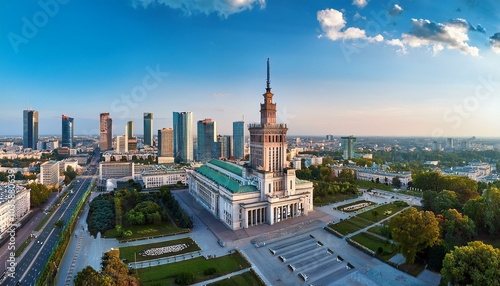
(30, 266)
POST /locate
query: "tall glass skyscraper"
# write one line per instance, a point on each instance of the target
(67, 131)
(207, 135)
(106, 132)
(148, 128)
(30, 129)
(183, 136)
(239, 139)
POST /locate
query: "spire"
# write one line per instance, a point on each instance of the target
(268, 86)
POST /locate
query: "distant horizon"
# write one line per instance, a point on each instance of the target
(288, 135)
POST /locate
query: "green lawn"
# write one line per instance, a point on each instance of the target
(378, 230)
(383, 211)
(249, 278)
(353, 203)
(23, 246)
(129, 252)
(146, 231)
(349, 226)
(165, 274)
(370, 185)
(373, 243)
(331, 199)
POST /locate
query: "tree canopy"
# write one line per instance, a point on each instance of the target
(414, 231)
(474, 264)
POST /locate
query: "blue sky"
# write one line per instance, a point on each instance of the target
(410, 68)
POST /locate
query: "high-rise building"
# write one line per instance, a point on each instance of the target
(106, 132)
(67, 131)
(30, 129)
(121, 144)
(130, 130)
(183, 136)
(450, 143)
(207, 130)
(165, 145)
(148, 128)
(223, 148)
(348, 146)
(267, 191)
(131, 139)
(239, 139)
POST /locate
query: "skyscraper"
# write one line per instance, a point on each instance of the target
(183, 136)
(223, 148)
(239, 139)
(106, 132)
(148, 128)
(268, 139)
(207, 130)
(67, 131)
(266, 190)
(30, 128)
(348, 146)
(165, 145)
(130, 130)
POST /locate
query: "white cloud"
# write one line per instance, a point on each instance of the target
(437, 36)
(495, 43)
(395, 10)
(397, 43)
(332, 23)
(359, 3)
(223, 8)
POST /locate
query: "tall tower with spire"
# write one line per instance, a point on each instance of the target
(268, 143)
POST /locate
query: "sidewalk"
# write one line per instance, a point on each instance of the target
(206, 282)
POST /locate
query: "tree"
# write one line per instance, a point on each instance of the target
(347, 175)
(88, 277)
(396, 182)
(476, 209)
(38, 194)
(438, 202)
(414, 231)
(474, 264)
(458, 229)
(492, 215)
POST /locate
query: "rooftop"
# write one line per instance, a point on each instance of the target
(237, 170)
(224, 180)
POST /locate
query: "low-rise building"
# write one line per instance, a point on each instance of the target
(14, 204)
(116, 170)
(161, 176)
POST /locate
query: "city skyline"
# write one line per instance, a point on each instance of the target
(368, 69)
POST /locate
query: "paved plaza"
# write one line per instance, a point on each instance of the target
(293, 252)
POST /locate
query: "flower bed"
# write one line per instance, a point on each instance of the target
(163, 250)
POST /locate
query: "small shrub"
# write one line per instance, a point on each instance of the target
(380, 250)
(184, 278)
(210, 271)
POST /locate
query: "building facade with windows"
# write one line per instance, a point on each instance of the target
(266, 191)
(183, 136)
(49, 173)
(106, 132)
(21, 202)
(67, 131)
(238, 139)
(148, 128)
(30, 129)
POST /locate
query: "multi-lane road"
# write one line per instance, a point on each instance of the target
(29, 268)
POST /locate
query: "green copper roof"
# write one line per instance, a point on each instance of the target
(225, 181)
(227, 166)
